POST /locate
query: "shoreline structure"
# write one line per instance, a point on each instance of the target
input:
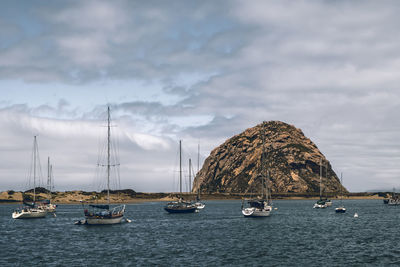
(130, 196)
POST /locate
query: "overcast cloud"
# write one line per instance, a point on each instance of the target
(198, 71)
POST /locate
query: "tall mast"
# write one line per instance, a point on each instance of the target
(108, 156)
(190, 175)
(51, 180)
(341, 185)
(48, 176)
(263, 169)
(180, 167)
(34, 168)
(198, 157)
(320, 178)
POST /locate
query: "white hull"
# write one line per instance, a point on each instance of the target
(199, 205)
(252, 212)
(328, 203)
(319, 206)
(50, 208)
(94, 221)
(29, 214)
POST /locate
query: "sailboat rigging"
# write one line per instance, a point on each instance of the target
(46, 204)
(180, 206)
(260, 207)
(104, 214)
(321, 204)
(30, 210)
(341, 208)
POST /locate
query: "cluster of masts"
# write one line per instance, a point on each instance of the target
(104, 214)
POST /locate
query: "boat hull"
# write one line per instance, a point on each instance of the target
(251, 212)
(340, 210)
(181, 210)
(103, 221)
(30, 214)
(320, 206)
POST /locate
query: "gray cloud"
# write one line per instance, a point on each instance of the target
(328, 67)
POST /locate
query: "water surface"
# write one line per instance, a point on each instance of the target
(295, 234)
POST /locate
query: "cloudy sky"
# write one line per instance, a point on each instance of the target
(200, 71)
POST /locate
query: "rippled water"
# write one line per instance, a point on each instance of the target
(295, 234)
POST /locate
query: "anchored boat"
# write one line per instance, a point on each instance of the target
(341, 208)
(31, 210)
(180, 206)
(104, 214)
(260, 207)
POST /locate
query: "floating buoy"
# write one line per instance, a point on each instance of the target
(127, 220)
(355, 215)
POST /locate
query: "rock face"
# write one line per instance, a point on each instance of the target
(292, 159)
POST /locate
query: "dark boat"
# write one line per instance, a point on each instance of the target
(341, 208)
(180, 206)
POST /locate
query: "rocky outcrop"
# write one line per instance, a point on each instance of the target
(293, 162)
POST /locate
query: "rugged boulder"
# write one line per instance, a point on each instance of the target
(293, 162)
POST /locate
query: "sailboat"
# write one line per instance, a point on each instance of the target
(321, 204)
(341, 208)
(104, 214)
(199, 205)
(30, 210)
(260, 207)
(394, 200)
(180, 206)
(46, 204)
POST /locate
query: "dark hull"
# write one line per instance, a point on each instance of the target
(340, 211)
(181, 210)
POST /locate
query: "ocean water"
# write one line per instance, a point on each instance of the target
(294, 235)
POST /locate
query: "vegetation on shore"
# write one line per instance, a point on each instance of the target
(131, 196)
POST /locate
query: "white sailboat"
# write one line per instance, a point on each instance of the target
(321, 204)
(104, 214)
(30, 210)
(199, 205)
(261, 207)
(46, 204)
(341, 208)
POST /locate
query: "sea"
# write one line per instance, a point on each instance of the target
(294, 235)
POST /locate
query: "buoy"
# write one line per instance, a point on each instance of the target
(127, 220)
(355, 215)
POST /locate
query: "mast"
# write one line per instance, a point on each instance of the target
(320, 179)
(180, 167)
(341, 185)
(190, 175)
(198, 157)
(263, 161)
(108, 155)
(34, 168)
(51, 180)
(48, 176)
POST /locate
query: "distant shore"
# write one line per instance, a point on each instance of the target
(130, 196)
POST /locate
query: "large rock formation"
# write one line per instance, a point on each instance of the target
(292, 159)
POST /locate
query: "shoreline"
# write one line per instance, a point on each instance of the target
(131, 197)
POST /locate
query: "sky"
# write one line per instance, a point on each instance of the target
(200, 72)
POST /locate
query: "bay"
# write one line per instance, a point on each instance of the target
(295, 235)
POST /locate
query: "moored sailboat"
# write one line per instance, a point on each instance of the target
(46, 204)
(104, 214)
(321, 204)
(180, 206)
(341, 208)
(260, 207)
(30, 210)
